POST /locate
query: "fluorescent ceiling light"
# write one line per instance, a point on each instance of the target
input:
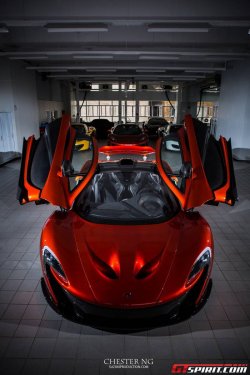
(223, 58)
(210, 53)
(184, 79)
(189, 76)
(179, 27)
(200, 68)
(199, 71)
(52, 70)
(28, 57)
(93, 57)
(76, 27)
(4, 29)
(152, 57)
(127, 52)
(127, 76)
(127, 67)
(101, 70)
(150, 70)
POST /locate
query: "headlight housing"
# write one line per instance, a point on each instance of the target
(201, 262)
(51, 260)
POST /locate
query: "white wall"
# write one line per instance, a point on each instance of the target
(25, 103)
(234, 105)
(18, 96)
(20, 90)
(50, 97)
(51, 106)
(48, 89)
(6, 93)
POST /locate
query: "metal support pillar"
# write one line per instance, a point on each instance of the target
(120, 102)
(77, 103)
(137, 108)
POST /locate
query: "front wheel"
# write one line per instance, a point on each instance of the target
(189, 306)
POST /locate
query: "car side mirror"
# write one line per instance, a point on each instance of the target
(186, 170)
(67, 168)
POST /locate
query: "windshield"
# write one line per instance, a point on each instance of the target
(124, 195)
(127, 130)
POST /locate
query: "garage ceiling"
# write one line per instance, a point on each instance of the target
(140, 40)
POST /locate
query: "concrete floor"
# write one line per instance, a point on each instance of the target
(35, 340)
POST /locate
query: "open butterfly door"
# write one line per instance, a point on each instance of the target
(42, 178)
(195, 166)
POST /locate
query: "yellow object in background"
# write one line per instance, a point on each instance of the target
(82, 145)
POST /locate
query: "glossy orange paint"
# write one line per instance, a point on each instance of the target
(33, 192)
(221, 194)
(130, 140)
(71, 196)
(165, 252)
(56, 188)
(70, 145)
(197, 189)
(177, 242)
(117, 143)
(127, 149)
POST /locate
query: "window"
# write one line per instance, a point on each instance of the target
(94, 87)
(115, 87)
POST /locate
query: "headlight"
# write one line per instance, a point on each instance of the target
(201, 262)
(50, 259)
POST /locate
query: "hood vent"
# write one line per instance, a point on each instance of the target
(104, 268)
(148, 268)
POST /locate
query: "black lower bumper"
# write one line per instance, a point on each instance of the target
(84, 308)
(126, 318)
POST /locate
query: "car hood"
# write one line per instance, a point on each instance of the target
(126, 266)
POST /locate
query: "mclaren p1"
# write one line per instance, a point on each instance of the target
(125, 240)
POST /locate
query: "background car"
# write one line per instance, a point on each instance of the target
(102, 127)
(89, 129)
(127, 134)
(83, 137)
(153, 124)
(126, 242)
(171, 138)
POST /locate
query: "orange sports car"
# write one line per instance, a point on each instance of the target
(125, 240)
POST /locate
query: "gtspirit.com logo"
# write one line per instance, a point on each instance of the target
(209, 368)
